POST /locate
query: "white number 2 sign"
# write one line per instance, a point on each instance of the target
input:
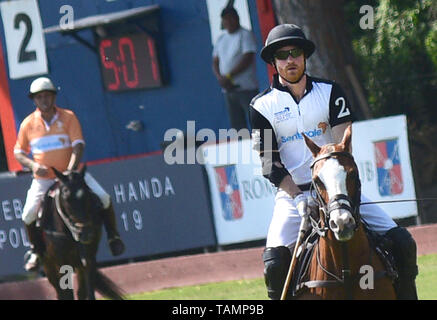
(25, 43)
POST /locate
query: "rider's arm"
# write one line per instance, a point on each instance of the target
(22, 149)
(340, 112)
(290, 187)
(77, 143)
(26, 161)
(265, 143)
(76, 156)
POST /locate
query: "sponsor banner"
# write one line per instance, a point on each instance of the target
(242, 199)
(13, 237)
(380, 148)
(159, 208)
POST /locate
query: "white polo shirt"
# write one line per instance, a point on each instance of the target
(323, 106)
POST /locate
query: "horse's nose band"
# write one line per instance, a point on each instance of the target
(339, 201)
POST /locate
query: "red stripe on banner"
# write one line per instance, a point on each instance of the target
(237, 207)
(380, 154)
(267, 20)
(222, 179)
(7, 118)
(108, 160)
(397, 185)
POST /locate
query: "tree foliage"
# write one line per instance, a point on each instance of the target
(398, 58)
(398, 65)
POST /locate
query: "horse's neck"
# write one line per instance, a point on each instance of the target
(331, 252)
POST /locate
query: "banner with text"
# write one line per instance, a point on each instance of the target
(242, 198)
(380, 148)
(13, 237)
(159, 209)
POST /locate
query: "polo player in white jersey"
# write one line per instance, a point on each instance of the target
(295, 103)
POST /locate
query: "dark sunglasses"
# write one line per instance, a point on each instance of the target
(283, 54)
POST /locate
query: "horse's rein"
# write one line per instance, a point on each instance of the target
(401, 200)
(349, 155)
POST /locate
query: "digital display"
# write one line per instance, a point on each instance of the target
(129, 62)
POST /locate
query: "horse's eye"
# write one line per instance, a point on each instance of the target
(65, 192)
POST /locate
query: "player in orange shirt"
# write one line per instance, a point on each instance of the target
(54, 137)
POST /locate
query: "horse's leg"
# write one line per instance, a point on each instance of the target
(54, 277)
(82, 293)
(91, 270)
(87, 272)
(91, 252)
(86, 286)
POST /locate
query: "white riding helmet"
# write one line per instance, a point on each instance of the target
(41, 84)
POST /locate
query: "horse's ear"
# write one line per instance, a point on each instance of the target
(347, 139)
(315, 149)
(59, 175)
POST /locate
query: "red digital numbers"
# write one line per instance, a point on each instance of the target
(129, 62)
(127, 43)
(153, 60)
(109, 64)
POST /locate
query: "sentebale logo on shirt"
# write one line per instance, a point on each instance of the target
(298, 136)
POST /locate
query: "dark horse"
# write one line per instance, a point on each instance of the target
(71, 230)
(342, 263)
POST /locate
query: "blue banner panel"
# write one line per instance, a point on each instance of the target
(13, 238)
(159, 209)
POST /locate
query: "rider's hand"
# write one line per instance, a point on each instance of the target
(39, 169)
(301, 204)
(313, 206)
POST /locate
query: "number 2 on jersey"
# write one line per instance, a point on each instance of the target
(344, 111)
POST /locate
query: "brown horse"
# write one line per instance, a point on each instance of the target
(342, 264)
(71, 228)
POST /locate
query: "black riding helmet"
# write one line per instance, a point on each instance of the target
(286, 34)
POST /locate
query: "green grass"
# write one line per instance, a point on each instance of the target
(426, 281)
(254, 289)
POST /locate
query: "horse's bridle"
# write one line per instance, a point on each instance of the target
(74, 227)
(338, 201)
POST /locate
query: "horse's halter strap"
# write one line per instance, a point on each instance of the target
(338, 201)
(330, 155)
(70, 224)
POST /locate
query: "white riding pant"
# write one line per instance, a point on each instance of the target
(39, 187)
(285, 224)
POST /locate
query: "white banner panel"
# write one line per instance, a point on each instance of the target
(380, 148)
(25, 43)
(242, 199)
